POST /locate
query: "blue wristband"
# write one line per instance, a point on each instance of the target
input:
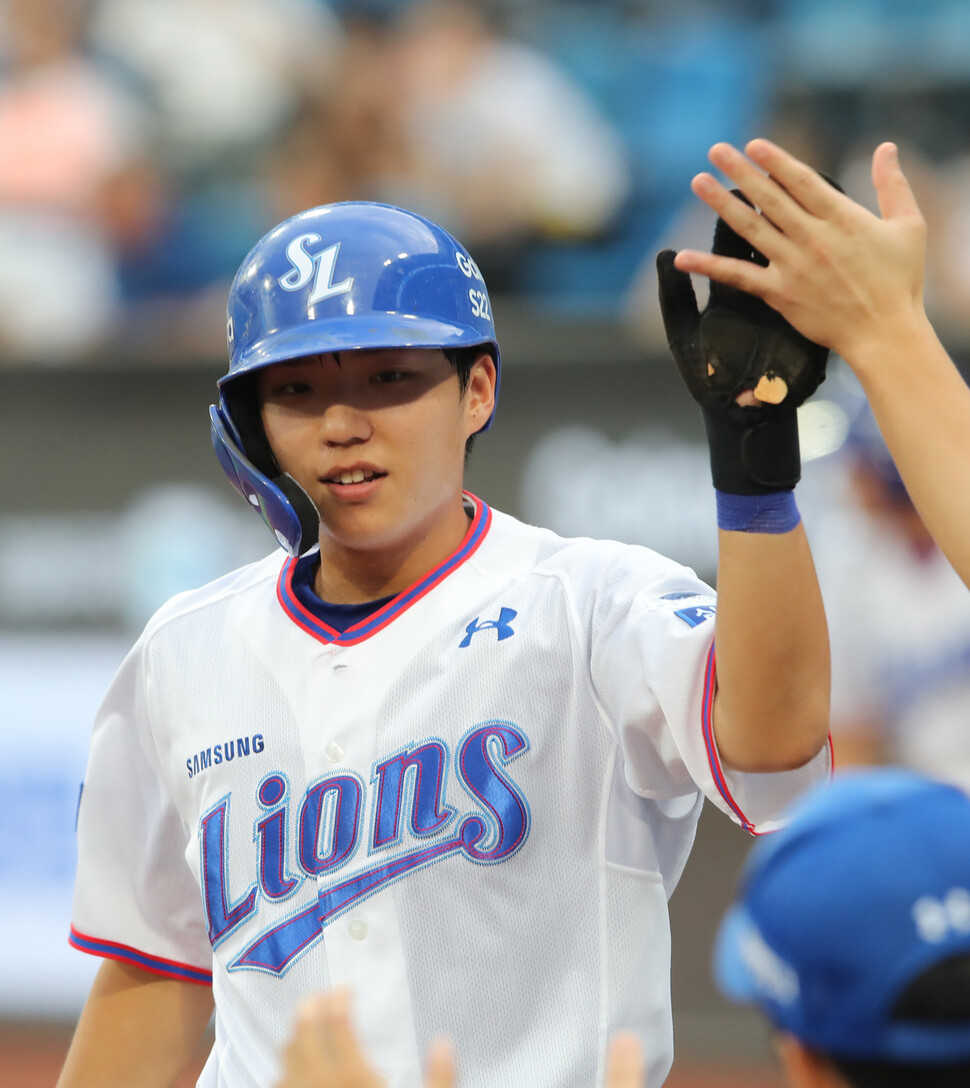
(775, 512)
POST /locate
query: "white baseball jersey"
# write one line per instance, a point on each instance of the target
(471, 807)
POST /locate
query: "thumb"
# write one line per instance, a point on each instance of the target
(896, 200)
(678, 303)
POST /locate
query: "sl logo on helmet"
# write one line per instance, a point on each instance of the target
(319, 267)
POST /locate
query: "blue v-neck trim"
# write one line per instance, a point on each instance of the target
(308, 619)
(338, 616)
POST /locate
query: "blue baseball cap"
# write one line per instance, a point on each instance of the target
(865, 888)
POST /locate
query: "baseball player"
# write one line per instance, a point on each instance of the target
(851, 933)
(854, 281)
(447, 759)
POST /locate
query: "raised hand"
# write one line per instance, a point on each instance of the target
(841, 275)
(745, 364)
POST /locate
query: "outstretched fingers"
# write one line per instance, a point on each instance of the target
(801, 184)
(760, 230)
(785, 209)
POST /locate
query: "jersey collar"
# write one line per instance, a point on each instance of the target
(323, 632)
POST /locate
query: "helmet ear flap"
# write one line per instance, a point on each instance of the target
(278, 499)
(240, 406)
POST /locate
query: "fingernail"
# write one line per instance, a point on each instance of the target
(704, 183)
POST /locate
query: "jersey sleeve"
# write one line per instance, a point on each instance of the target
(135, 897)
(654, 669)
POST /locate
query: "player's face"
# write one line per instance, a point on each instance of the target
(377, 439)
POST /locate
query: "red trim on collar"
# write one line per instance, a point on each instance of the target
(323, 632)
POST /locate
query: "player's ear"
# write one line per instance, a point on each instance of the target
(479, 396)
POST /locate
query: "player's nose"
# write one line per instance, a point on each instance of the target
(344, 423)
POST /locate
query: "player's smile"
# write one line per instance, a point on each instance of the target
(349, 476)
(356, 483)
(353, 482)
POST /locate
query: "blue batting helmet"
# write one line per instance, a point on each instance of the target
(336, 278)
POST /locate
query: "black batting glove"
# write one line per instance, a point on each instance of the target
(735, 344)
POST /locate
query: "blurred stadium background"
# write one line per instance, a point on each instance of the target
(146, 144)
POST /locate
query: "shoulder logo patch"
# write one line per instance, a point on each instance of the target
(696, 614)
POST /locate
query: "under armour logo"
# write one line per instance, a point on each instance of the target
(503, 625)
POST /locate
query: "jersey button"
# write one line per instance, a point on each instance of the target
(357, 930)
(334, 752)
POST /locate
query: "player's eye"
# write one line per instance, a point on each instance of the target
(387, 377)
(292, 388)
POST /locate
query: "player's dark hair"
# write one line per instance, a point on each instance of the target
(860, 1074)
(941, 996)
(463, 359)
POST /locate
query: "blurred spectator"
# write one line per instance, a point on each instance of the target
(339, 146)
(443, 113)
(223, 80)
(948, 268)
(899, 619)
(222, 75)
(74, 183)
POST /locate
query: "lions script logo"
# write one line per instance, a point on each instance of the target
(410, 825)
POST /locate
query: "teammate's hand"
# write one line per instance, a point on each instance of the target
(625, 1066)
(841, 275)
(323, 1051)
(738, 343)
(747, 367)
